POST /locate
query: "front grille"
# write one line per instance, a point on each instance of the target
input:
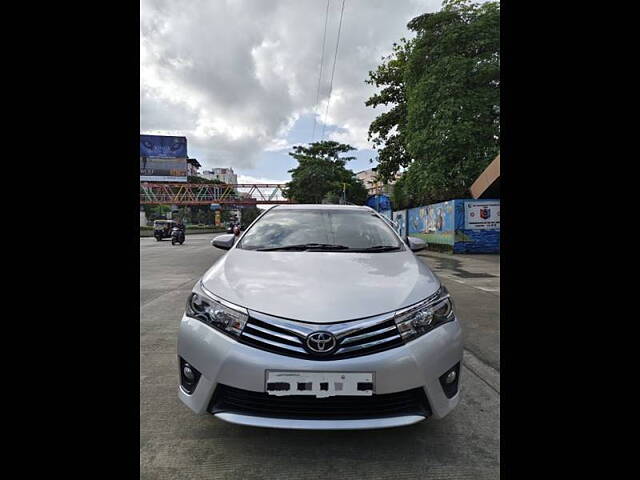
(362, 337)
(234, 400)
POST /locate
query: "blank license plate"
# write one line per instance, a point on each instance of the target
(319, 384)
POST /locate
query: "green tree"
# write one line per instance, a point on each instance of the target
(155, 212)
(451, 85)
(387, 131)
(195, 179)
(249, 214)
(321, 174)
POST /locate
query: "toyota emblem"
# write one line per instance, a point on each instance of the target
(321, 342)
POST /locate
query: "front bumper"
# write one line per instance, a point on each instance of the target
(223, 360)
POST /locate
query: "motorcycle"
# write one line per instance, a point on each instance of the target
(177, 236)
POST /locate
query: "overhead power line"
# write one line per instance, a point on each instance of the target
(333, 71)
(324, 38)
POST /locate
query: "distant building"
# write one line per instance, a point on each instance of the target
(374, 186)
(225, 175)
(192, 167)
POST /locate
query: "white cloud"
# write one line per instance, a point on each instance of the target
(250, 179)
(235, 75)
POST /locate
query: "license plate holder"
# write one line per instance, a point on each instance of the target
(320, 384)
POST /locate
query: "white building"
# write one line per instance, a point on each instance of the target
(374, 186)
(225, 175)
(192, 167)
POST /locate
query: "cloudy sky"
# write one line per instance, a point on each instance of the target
(239, 78)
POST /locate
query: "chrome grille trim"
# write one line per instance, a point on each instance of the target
(275, 334)
(300, 329)
(354, 338)
(275, 344)
(367, 345)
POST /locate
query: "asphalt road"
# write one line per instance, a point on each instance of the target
(177, 444)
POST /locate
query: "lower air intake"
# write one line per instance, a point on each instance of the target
(245, 402)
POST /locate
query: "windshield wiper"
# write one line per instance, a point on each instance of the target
(376, 248)
(305, 246)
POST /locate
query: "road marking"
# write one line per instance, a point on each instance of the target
(488, 289)
(485, 372)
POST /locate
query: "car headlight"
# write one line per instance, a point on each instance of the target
(216, 313)
(419, 319)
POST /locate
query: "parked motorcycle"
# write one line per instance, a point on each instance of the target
(177, 236)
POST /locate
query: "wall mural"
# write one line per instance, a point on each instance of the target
(433, 223)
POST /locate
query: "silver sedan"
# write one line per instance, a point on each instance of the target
(320, 317)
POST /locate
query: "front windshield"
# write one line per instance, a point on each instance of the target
(343, 228)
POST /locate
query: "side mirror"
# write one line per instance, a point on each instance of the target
(224, 242)
(416, 244)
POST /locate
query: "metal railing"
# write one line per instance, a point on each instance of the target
(208, 193)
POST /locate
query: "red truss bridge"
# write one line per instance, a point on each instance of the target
(208, 193)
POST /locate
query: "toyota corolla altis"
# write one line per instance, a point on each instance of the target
(320, 317)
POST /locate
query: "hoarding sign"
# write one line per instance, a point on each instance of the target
(163, 169)
(479, 215)
(161, 146)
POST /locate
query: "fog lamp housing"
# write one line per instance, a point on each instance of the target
(189, 376)
(449, 380)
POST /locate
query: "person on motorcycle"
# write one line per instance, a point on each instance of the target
(180, 228)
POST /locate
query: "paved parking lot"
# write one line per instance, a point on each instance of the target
(176, 444)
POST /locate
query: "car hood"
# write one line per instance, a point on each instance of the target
(320, 287)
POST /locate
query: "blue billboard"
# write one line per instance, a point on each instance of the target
(161, 146)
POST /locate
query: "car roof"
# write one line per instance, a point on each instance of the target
(320, 206)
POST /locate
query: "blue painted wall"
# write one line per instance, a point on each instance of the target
(433, 223)
(400, 217)
(444, 224)
(473, 240)
(386, 213)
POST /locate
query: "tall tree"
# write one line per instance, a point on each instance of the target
(321, 174)
(453, 97)
(249, 214)
(387, 131)
(451, 85)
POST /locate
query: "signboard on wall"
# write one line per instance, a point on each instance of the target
(479, 215)
(154, 169)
